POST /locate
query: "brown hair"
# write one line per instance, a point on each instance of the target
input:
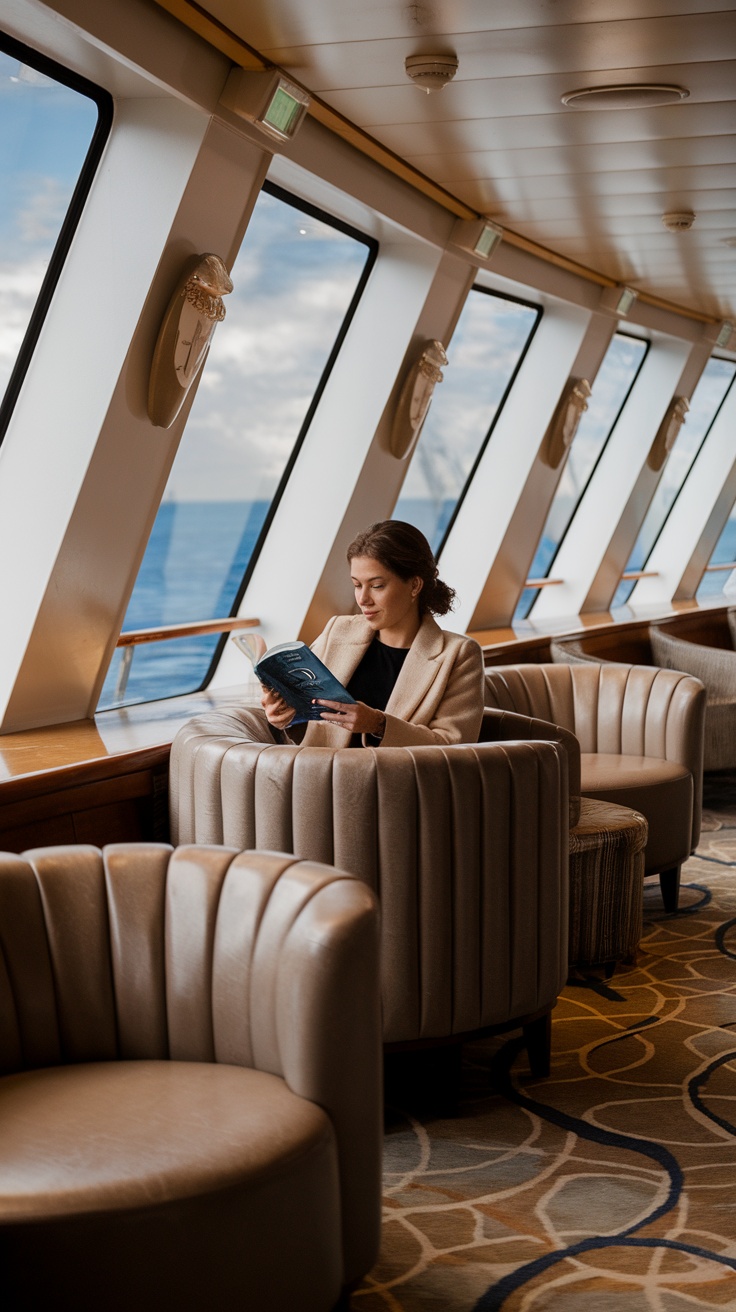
(401, 548)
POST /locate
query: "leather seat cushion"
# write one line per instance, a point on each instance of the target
(661, 790)
(153, 1172)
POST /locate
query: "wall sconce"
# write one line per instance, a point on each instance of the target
(570, 409)
(718, 334)
(185, 334)
(479, 237)
(618, 300)
(667, 432)
(268, 100)
(415, 398)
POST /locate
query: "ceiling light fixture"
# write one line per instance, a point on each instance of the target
(618, 299)
(478, 237)
(627, 95)
(678, 220)
(431, 72)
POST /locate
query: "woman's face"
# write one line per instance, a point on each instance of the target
(387, 602)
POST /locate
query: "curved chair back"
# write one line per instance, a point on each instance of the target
(466, 847)
(204, 955)
(633, 710)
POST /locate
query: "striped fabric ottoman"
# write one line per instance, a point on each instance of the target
(606, 883)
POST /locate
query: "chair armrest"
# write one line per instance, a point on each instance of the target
(504, 726)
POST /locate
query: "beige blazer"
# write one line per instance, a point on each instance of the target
(437, 698)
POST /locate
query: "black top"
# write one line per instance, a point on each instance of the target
(373, 681)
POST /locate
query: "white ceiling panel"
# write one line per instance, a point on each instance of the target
(590, 185)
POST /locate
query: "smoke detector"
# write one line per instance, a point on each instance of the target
(678, 220)
(431, 72)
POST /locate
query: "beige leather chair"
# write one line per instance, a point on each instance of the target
(641, 739)
(701, 644)
(466, 847)
(190, 1098)
(716, 669)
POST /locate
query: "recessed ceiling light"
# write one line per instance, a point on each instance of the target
(729, 241)
(431, 72)
(678, 220)
(631, 95)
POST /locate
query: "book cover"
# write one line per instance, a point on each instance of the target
(293, 670)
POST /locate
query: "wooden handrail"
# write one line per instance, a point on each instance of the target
(730, 565)
(640, 574)
(543, 583)
(194, 630)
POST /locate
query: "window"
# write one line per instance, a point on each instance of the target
(708, 398)
(613, 383)
(54, 126)
(715, 579)
(487, 348)
(297, 281)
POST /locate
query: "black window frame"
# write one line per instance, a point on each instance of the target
(647, 346)
(539, 312)
(105, 114)
(323, 216)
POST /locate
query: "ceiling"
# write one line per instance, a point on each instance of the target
(589, 185)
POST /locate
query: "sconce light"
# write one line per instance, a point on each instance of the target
(184, 337)
(415, 398)
(267, 100)
(618, 300)
(718, 334)
(570, 409)
(479, 237)
(667, 432)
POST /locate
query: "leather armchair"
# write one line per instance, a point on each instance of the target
(641, 740)
(190, 1096)
(716, 669)
(466, 847)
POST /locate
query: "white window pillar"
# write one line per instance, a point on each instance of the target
(68, 385)
(510, 568)
(586, 543)
(484, 517)
(696, 519)
(78, 510)
(321, 487)
(608, 576)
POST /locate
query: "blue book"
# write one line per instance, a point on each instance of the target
(293, 670)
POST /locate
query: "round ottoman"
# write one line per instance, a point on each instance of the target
(606, 883)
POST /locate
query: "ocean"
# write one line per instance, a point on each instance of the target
(192, 570)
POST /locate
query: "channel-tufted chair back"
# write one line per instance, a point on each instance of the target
(142, 954)
(465, 846)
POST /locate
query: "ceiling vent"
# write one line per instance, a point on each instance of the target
(631, 95)
(678, 220)
(431, 72)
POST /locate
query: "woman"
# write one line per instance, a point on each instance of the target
(414, 683)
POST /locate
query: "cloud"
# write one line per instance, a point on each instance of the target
(40, 213)
(19, 286)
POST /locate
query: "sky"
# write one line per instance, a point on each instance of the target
(45, 132)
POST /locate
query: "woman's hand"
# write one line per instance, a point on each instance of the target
(356, 717)
(277, 711)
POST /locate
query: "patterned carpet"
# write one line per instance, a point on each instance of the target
(611, 1185)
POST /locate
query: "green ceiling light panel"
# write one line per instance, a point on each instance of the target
(268, 100)
(479, 237)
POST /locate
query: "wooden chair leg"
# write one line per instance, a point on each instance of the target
(538, 1040)
(669, 883)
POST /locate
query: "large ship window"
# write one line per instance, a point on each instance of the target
(297, 281)
(708, 397)
(54, 127)
(613, 383)
(720, 572)
(487, 348)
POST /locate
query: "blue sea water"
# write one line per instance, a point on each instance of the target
(193, 566)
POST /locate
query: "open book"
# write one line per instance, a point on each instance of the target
(293, 670)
